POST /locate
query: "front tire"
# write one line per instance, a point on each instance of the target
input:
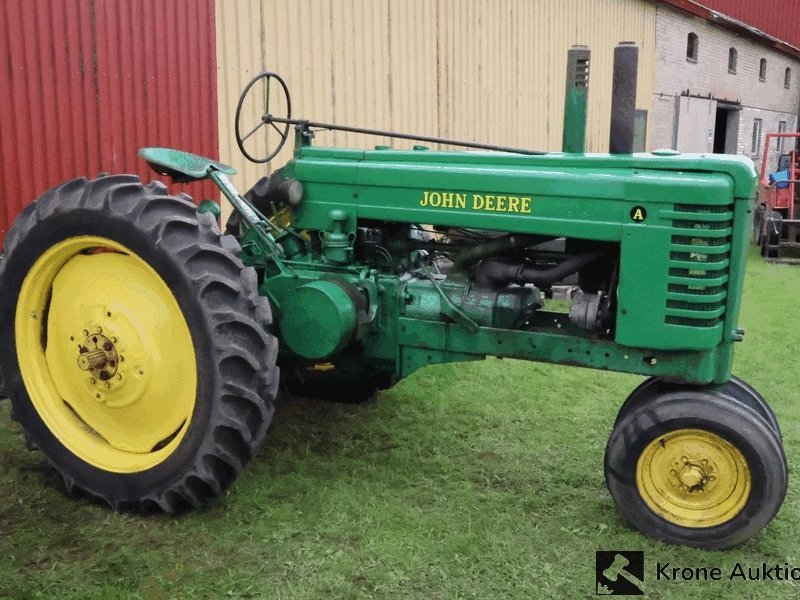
(734, 389)
(697, 469)
(139, 361)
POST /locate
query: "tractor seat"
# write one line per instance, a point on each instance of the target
(181, 166)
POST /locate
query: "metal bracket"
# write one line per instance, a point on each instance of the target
(251, 216)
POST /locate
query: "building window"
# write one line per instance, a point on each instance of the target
(755, 147)
(787, 78)
(779, 141)
(762, 69)
(732, 60)
(691, 47)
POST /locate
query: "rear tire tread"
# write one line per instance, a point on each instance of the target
(242, 396)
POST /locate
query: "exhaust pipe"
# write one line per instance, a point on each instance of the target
(576, 100)
(623, 98)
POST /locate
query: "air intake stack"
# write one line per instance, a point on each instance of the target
(623, 98)
(576, 99)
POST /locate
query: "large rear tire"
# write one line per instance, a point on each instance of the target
(137, 357)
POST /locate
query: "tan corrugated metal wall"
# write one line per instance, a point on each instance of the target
(484, 70)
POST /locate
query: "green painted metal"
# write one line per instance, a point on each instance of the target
(424, 343)
(209, 206)
(319, 320)
(508, 308)
(576, 100)
(337, 242)
(678, 223)
(182, 166)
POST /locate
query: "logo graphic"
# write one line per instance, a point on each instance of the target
(638, 214)
(619, 572)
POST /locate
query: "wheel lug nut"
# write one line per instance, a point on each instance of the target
(108, 385)
(92, 380)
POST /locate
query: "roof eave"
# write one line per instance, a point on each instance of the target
(717, 18)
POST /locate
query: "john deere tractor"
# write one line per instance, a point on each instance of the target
(143, 346)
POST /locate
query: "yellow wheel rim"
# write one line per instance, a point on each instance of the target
(693, 478)
(106, 354)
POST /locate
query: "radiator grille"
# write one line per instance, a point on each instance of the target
(699, 263)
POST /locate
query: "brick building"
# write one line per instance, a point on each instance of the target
(720, 84)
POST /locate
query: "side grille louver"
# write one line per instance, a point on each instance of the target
(698, 266)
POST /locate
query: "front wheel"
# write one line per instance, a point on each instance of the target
(696, 468)
(138, 359)
(734, 389)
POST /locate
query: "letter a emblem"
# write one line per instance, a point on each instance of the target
(638, 214)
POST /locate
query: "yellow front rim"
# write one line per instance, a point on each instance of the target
(693, 478)
(106, 354)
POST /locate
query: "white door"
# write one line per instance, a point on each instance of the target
(695, 130)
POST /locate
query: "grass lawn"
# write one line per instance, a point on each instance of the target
(476, 480)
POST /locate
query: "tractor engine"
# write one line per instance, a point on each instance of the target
(359, 281)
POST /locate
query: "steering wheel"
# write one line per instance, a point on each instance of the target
(266, 119)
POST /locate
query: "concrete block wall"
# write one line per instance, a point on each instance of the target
(768, 100)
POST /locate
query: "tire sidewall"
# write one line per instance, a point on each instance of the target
(737, 424)
(735, 390)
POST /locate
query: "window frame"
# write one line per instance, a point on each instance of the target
(692, 47)
(755, 144)
(733, 59)
(787, 78)
(762, 69)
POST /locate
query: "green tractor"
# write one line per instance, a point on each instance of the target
(146, 347)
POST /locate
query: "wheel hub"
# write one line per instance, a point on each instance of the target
(692, 476)
(97, 355)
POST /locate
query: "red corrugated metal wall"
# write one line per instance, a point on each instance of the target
(85, 83)
(778, 18)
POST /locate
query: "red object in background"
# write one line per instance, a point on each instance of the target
(777, 18)
(773, 197)
(85, 83)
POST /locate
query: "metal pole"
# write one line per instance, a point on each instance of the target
(576, 99)
(403, 136)
(623, 98)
